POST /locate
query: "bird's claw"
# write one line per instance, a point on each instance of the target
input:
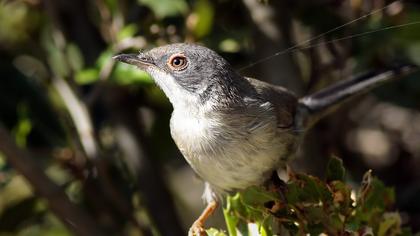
(197, 229)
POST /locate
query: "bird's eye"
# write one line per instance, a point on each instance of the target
(177, 62)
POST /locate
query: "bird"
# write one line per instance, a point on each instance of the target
(235, 131)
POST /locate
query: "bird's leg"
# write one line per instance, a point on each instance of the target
(197, 228)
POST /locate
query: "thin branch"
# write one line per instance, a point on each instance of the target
(79, 115)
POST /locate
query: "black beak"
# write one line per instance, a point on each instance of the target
(140, 60)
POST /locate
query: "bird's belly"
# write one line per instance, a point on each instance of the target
(236, 168)
(231, 159)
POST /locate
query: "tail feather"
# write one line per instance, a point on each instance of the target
(315, 106)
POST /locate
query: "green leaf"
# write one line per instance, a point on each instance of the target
(307, 189)
(104, 58)
(122, 74)
(257, 196)
(229, 45)
(166, 8)
(87, 76)
(127, 74)
(390, 225)
(335, 169)
(58, 62)
(75, 57)
(377, 195)
(204, 11)
(215, 232)
(127, 32)
(24, 125)
(229, 214)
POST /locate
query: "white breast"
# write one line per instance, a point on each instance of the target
(230, 151)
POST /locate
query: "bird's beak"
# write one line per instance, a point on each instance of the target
(140, 60)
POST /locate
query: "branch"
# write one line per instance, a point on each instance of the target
(80, 117)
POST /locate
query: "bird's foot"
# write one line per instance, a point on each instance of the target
(197, 229)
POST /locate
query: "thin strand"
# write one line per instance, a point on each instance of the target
(356, 35)
(301, 44)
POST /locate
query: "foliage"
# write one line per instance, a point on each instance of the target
(309, 205)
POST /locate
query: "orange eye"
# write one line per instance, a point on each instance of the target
(177, 62)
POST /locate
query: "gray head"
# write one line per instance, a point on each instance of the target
(188, 72)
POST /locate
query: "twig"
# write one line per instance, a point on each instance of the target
(79, 115)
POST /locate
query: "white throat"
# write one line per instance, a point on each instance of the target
(178, 96)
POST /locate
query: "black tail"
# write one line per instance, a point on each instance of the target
(315, 106)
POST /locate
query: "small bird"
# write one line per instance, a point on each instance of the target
(236, 131)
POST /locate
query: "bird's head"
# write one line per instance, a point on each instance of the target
(187, 73)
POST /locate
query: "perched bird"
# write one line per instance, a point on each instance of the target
(235, 131)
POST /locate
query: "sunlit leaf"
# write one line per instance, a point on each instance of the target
(127, 32)
(23, 126)
(87, 76)
(229, 213)
(166, 8)
(204, 11)
(215, 232)
(127, 74)
(229, 45)
(105, 57)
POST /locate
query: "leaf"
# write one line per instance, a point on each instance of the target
(335, 169)
(215, 232)
(341, 197)
(57, 61)
(75, 57)
(127, 74)
(377, 195)
(229, 214)
(307, 189)
(204, 11)
(248, 207)
(87, 76)
(127, 32)
(391, 224)
(104, 58)
(257, 196)
(229, 45)
(265, 228)
(166, 8)
(24, 125)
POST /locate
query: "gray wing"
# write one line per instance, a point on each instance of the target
(284, 101)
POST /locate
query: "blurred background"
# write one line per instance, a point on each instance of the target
(85, 147)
